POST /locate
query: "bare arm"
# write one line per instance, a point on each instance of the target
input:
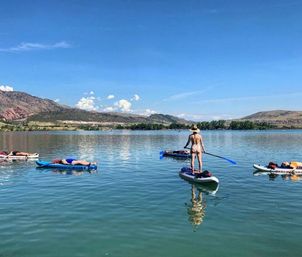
(188, 142)
(202, 145)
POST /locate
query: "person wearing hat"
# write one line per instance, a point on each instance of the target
(197, 147)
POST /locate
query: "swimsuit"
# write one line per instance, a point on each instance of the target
(70, 160)
(196, 148)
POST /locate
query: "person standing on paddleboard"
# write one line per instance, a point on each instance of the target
(197, 147)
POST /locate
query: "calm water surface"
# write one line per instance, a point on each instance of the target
(136, 205)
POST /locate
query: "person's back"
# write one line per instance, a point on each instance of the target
(196, 139)
(197, 147)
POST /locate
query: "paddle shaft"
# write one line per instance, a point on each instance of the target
(221, 157)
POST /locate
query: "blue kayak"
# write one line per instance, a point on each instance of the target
(43, 164)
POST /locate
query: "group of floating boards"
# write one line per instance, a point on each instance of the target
(44, 164)
(185, 173)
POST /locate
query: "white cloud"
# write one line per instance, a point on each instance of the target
(109, 109)
(195, 117)
(110, 97)
(201, 117)
(6, 88)
(123, 105)
(135, 97)
(35, 46)
(91, 93)
(57, 100)
(149, 112)
(87, 103)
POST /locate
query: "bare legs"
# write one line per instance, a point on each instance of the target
(199, 157)
(81, 162)
(17, 153)
(78, 162)
(192, 161)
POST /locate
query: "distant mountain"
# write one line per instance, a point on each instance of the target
(279, 118)
(22, 106)
(18, 105)
(73, 115)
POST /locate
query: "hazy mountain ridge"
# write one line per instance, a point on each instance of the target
(279, 118)
(22, 106)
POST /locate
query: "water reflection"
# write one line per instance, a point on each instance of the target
(71, 171)
(196, 208)
(10, 169)
(273, 176)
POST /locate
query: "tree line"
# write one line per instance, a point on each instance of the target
(204, 125)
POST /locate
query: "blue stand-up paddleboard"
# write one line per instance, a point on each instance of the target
(43, 164)
(200, 178)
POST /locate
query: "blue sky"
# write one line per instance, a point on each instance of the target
(199, 60)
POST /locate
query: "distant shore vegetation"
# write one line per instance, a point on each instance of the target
(204, 125)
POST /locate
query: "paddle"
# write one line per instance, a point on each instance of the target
(161, 154)
(221, 157)
(229, 160)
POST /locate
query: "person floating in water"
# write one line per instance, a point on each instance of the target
(72, 161)
(197, 147)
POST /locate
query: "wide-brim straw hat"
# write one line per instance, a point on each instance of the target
(194, 128)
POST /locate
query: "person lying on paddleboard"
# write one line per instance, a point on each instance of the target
(72, 161)
(197, 147)
(15, 153)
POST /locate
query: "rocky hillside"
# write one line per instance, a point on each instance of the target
(73, 115)
(22, 106)
(279, 118)
(18, 105)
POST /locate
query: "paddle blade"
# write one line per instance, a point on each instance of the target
(161, 154)
(233, 162)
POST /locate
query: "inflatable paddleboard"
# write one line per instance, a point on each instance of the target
(43, 164)
(19, 157)
(277, 171)
(186, 173)
(177, 154)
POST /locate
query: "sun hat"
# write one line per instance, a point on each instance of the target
(194, 128)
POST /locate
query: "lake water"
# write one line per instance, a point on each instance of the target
(136, 205)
